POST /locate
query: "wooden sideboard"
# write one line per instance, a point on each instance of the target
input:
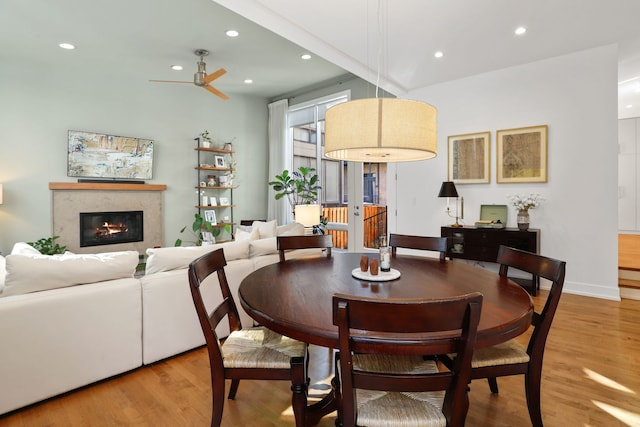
(481, 244)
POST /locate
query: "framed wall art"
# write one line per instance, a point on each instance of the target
(522, 154)
(469, 158)
(108, 157)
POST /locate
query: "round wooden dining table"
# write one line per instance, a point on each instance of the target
(294, 298)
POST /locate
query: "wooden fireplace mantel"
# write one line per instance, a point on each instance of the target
(106, 186)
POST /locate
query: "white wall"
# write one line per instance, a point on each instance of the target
(576, 96)
(40, 103)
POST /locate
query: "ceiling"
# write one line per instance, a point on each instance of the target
(393, 44)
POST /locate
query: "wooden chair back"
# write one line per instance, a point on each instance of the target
(199, 269)
(391, 324)
(427, 243)
(540, 266)
(323, 241)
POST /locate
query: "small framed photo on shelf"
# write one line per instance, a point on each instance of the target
(224, 201)
(210, 216)
(219, 161)
(213, 201)
(207, 238)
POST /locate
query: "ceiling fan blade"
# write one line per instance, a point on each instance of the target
(170, 81)
(215, 91)
(211, 77)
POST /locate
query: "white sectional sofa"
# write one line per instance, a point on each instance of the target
(62, 328)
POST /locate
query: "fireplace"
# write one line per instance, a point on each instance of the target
(109, 228)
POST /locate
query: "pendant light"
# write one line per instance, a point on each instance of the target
(381, 130)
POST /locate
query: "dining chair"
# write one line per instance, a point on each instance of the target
(323, 241)
(438, 244)
(253, 353)
(384, 376)
(511, 358)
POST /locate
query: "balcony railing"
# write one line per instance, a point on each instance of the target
(375, 224)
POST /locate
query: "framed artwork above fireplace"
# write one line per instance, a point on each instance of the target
(109, 157)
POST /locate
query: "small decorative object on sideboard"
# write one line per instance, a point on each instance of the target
(523, 204)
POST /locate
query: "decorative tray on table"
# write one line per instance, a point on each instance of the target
(382, 276)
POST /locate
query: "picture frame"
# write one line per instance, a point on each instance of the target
(469, 158)
(213, 201)
(210, 216)
(219, 161)
(101, 156)
(224, 201)
(522, 154)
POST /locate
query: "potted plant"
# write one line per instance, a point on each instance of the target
(199, 225)
(300, 188)
(46, 246)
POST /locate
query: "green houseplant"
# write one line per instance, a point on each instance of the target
(299, 187)
(199, 225)
(47, 246)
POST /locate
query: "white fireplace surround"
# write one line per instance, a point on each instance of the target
(69, 199)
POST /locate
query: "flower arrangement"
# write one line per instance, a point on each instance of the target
(526, 202)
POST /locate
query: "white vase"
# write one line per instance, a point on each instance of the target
(523, 220)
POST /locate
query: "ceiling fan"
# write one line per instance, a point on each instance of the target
(201, 78)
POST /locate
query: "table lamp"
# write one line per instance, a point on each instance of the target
(448, 189)
(308, 216)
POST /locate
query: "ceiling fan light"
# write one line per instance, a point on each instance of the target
(381, 130)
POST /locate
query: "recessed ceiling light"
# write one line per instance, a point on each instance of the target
(305, 56)
(629, 106)
(67, 46)
(520, 31)
(176, 67)
(637, 90)
(439, 54)
(232, 33)
(248, 81)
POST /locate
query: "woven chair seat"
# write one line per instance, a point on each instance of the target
(260, 347)
(405, 409)
(506, 353)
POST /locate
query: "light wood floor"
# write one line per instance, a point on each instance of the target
(591, 377)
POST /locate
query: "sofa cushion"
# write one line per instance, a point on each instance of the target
(32, 273)
(171, 258)
(265, 229)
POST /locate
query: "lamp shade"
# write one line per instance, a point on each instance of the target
(0, 194)
(307, 215)
(448, 189)
(381, 130)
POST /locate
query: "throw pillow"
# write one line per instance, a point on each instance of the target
(32, 273)
(173, 258)
(3, 272)
(263, 247)
(246, 235)
(293, 229)
(22, 248)
(265, 229)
